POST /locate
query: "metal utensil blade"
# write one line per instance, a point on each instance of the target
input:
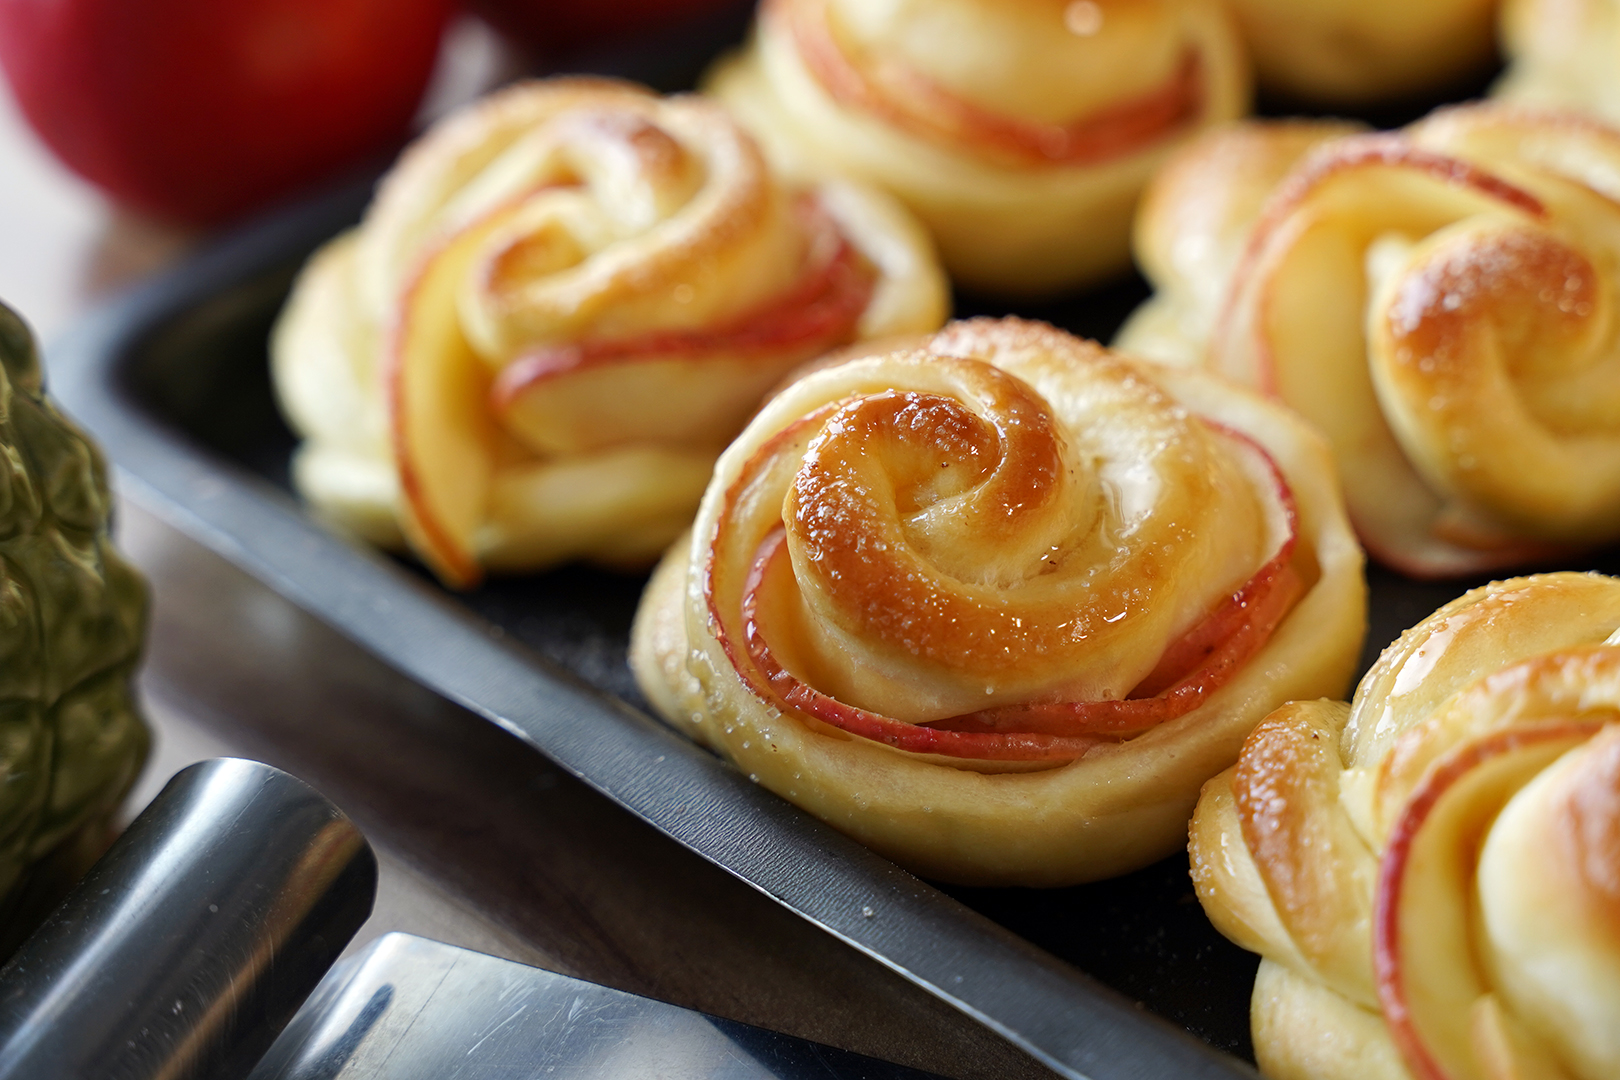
(408, 1008)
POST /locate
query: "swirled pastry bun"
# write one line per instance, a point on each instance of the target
(562, 304)
(1432, 873)
(1440, 302)
(1562, 54)
(996, 603)
(1020, 131)
(1358, 52)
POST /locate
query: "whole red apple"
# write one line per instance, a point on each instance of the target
(198, 110)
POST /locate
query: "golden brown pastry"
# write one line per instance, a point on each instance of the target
(1562, 54)
(563, 303)
(1357, 52)
(1020, 131)
(1432, 873)
(998, 601)
(1440, 302)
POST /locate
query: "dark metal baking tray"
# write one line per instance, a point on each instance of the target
(1114, 981)
(173, 381)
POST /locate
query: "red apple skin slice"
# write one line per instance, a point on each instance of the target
(1424, 975)
(1060, 732)
(911, 101)
(1206, 655)
(689, 387)
(442, 435)
(718, 589)
(583, 402)
(1193, 667)
(769, 680)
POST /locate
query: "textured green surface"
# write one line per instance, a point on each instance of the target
(72, 616)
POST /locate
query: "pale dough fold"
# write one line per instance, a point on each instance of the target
(561, 305)
(1562, 54)
(1432, 873)
(1440, 302)
(1020, 131)
(997, 602)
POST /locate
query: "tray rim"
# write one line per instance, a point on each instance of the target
(1059, 1015)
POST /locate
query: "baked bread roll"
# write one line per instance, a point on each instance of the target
(1432, 873)
(1562, 54)
(1440, 302)
(1359, 52)
(997, 602)
(564, 301)
(1020, 131)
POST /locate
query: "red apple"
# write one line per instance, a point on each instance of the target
(198, 110)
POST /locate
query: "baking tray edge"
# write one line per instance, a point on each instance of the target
(1063, 1018)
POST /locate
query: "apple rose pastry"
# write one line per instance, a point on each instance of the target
(1358, 52)
(1432, 873)
(1562, 54)
(1440, 302)
(998, 602)
(563, 303)
(1020, 131)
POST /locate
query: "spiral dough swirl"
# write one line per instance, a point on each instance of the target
(1440, 302)
(562, 304)
(950, 587)
(1432, 873)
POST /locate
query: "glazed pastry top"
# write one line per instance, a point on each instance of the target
(594, 204)
(1439, 301)
(943, 589)
(947, 540)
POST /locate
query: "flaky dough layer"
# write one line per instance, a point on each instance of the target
(1562, 54)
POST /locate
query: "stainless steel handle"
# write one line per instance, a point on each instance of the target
(189, 946)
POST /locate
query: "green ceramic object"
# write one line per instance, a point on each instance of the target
(72, 619)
